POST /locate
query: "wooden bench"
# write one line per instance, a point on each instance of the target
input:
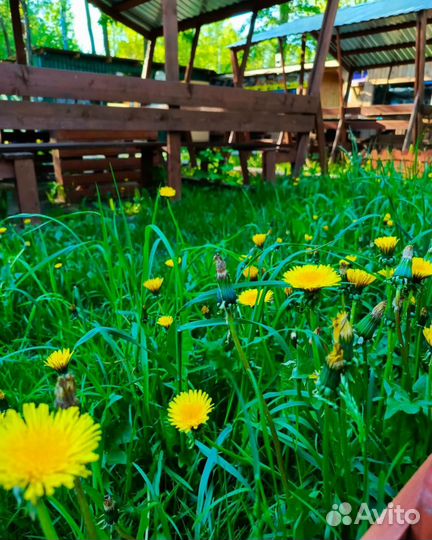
(171, 107)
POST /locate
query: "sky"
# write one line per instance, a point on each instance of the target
(81, 32)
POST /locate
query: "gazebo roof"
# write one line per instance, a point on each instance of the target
(145, 16)
(375, 34)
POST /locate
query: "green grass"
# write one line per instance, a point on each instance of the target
(359, 441)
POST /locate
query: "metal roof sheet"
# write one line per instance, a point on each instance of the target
(146, 16)
(394, 44)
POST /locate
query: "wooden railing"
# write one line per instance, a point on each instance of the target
(199, 108)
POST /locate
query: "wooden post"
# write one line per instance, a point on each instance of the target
(340, 135)
(170, 29)
(148, 60)
(341, 124)
(420, 69)
(316, 76)
(246, 50)
(302, 65)
(187, 79)
(282, 53)
(21, 57)
(189, 69)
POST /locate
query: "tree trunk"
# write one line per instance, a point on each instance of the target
(28, 35)
(89, 27)
(63, 25)
(6, 37)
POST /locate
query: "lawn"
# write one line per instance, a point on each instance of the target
(319, 396)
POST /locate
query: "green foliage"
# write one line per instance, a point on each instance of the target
(358, 440)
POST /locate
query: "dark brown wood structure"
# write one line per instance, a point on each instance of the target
(378, 34)
(171, 106)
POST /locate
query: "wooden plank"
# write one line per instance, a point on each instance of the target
(282, 54)
(20, 115)
(340, 135)
(99, 178)
(122, 135)
(27, 190)
(246, 49)
(20, 51)
(411, 125)
(27, 81)
(110, 153)
(302, 64)
(6, 169)
(118, 164)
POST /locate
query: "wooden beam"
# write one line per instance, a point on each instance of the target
(122, 19)
(420, 69)
(302, 64)
(128, 4)
(21, 57)
(380, 48)
(317, 73)
(412, 124)
(190, 66)
(224, 13)
(170, 28)
(246, 50)
(148, 60)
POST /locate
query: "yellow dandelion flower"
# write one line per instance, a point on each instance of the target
(251, 272)
(40, 451)
(386, 244)
(326, 227)
(27, 221)
(154, 285)
(421, 268)
(342, 329)
(170, 262)
(359, 278)
(308, 237)
(279, 240)
(390, 223)
(252, 297)
(387, 217)
(427, 332)
(205, 310)
(387, 273)
(58, 265)
(315, 217)
(189, 410)
(312, 277)
(165, 321)
(59, 360)
(27, 243)
(3, 230)
(351, 258)
(167, 192)
(2, 395)
(259, 239)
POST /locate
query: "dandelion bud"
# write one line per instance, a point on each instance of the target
(110, 509)
(404, 268)
(65, 392)
(367, 326)
(4, 405)
(330, 374)
(342, 329)
(221, 268)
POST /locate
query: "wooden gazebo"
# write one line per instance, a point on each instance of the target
(168, 106)
(372, 35)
